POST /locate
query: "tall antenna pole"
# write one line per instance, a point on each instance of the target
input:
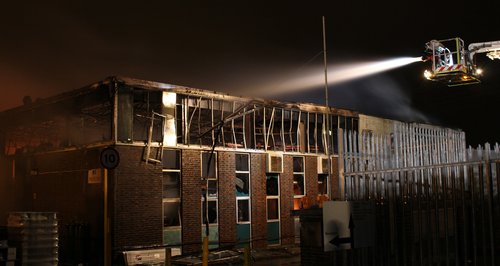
(328, 130)
(324, 60)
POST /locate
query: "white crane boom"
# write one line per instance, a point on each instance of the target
(492, 48)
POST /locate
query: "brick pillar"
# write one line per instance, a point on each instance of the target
(334, 183)
(191, 201)
(311, 171)
(258, 198)
(286, 192)
(227, 199)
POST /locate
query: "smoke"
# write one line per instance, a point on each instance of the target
(360, 86)
(379, 95)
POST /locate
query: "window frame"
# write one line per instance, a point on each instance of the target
(242, 198)
(177, 200)
(303, 173)
(272, 197)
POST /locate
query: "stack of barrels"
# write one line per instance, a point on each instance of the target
(35, 235)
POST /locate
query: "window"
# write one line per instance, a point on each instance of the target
(243, 210)
(298, 176)
(171, 188)
(209, 174)
(172, 160)
(299, 188)
(145, 103)
(171, 183)
(208, 167)
(212, 212)
(272, 196)
(171, 214)
(322, 184)
(273, 209)
(242, 186)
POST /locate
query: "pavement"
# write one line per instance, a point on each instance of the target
(279, 255)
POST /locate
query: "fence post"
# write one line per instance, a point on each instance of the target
(168, 257)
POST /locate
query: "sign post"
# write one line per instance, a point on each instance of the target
(348, 225)
(109, 160)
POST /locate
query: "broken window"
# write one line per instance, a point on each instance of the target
(204, 123)
(227, 129)
(147, 102)
(125, 114)
(277, 130)
(294, 130)
(193, 116)
(242, 175)
(71, 122)
(239, 129)
(179, 120)
(242, 183)
(257, 127)
(333, 134)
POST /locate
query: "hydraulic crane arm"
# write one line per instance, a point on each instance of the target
(452, 64)
(492, 48)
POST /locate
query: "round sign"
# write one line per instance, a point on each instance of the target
(110, 158)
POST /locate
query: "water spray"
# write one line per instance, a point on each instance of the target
(342, 73)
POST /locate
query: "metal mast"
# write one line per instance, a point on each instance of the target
(328, 137)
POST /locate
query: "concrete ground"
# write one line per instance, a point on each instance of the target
(273, 256)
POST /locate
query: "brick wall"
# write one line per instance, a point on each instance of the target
(258, 198)
(191, 201)
(227, 199)
(311, 172)
(137, 213)
(335, 179)
(286, 202)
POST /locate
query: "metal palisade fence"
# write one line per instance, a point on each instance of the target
(437, 201)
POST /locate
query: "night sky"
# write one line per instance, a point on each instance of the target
(48, 47)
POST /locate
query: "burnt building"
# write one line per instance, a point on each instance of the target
(190, 161)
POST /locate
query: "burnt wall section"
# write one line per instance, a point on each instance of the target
(60, 123)
(59, 182)
(11, 189)
(137, 213)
